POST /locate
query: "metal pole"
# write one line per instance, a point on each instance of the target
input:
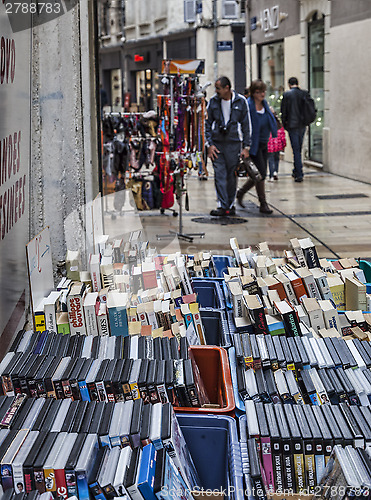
(250, 36)
(215, 23)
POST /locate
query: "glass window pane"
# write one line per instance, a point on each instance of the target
(316, 87)
(272, 72)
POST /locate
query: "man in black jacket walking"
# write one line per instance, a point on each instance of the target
(291, 110)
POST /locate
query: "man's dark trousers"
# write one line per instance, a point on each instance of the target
(296, 138)
(225, 172)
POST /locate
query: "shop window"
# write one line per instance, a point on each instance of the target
(316, 35)
(271, 63)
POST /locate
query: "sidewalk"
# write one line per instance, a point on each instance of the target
(335, 212)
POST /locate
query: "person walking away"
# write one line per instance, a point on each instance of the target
(292, 120)
(227, 130)
(263, 124)
(275, 146)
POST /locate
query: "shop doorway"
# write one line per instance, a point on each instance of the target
(316, 45)
(271, 71)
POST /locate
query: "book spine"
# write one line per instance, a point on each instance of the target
(91, 320)
(49, 388)
(6, 476)
(118, 321)
(288, 468)
(82, 485)
(85, 396)
(18, 477)
(311, 257)
(93, 393)
(103, 328)
(29, 480)
(299, 466)
(40, 323)
(76, 315)
(39, 480)
(310, 467)
(58, 389)
(49, 480)
(277, 465)
(299, 289)
(50, 317)
(110, 392)
(75, 391)
(266, 453)
(67, 391)
(101, 391)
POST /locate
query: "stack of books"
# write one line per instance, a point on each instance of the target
(289, 446)
(108, 369)
(303, 369)
(348, 473)
(73, 448)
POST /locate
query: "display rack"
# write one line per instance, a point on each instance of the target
(178, 174)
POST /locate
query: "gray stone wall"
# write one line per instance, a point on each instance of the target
(64, 146)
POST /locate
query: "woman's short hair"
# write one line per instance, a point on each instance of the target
(257, 85)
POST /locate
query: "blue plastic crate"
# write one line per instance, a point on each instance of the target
(209, 293)
(221, 264)
(240, 405)
(216, 327)
(366, 268)
(213, 443)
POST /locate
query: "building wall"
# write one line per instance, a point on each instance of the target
(349, 118)
(64, 163)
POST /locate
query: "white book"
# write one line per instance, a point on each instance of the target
(322, 283)
(330, 314)
(325, 352)
(51, 306)
(94, 268)
(251, 418)
(317, 353)
(356, 355)
(86, 351)
(314, 312)
(90, 306)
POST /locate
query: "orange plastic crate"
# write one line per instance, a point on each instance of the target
(216, 375)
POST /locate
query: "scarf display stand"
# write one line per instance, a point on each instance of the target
(179, 172)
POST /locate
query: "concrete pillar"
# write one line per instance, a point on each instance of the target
(64, 138)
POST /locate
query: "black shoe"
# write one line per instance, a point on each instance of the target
(299, 179)
(219, 212)
(232, 211)
(264, 209)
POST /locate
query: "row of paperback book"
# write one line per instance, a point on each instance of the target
(287, 447)
(76, 378)
(302, 369)
(73, 448)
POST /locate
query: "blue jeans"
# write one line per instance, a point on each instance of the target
(273, 161)
(296, 138)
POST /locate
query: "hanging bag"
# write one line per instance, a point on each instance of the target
(247, 167)
(308, 109)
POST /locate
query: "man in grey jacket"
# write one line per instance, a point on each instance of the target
(227, 130)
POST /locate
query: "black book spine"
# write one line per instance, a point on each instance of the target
(93, 393)
(58, 389)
